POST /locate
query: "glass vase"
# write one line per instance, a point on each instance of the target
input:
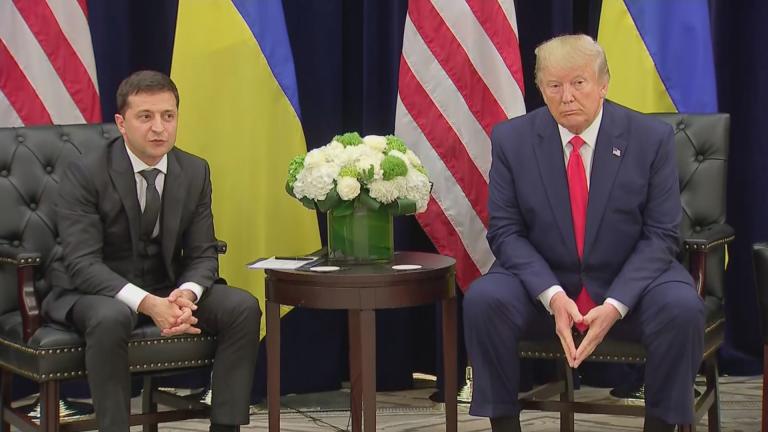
(361, 236)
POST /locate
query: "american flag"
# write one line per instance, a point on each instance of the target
(460, 74)
(47, 69)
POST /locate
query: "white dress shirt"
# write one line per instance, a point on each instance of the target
(131, 294)
(586, 151)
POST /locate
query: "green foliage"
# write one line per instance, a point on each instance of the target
(349, 139)
(402, 206)
(294, 168)
(395, 143)
(393, 166)
(366, 176)
(421, 169)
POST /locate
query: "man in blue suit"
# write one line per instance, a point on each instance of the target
(584, 210)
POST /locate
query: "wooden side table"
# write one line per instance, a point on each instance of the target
(361, 289)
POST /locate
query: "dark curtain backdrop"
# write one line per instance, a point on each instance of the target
(347, 53)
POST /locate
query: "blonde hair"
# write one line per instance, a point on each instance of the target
(570, 51)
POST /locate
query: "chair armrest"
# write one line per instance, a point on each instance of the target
(18, 256)
(760, 262)
(699, 244)
(714, 236)
(29, 307)
(221, 247)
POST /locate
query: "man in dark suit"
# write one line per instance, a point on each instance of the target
(584, 210)
(138, 244)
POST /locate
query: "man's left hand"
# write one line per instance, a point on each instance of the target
(600, 319)
(185, 300)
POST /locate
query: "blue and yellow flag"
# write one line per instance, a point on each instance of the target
(233, 65)
(659, 54)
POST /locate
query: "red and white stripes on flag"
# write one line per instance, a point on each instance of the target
(460, 74)
(47, 69)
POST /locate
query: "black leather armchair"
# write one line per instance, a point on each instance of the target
(760, 260)
(702, 154)
(31, 162)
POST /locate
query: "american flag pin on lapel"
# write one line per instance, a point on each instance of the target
(616, 152)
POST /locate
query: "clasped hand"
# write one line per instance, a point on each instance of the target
(172, 314)
(599, 320)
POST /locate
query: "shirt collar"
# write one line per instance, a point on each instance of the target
(139, 165)
(589, 135)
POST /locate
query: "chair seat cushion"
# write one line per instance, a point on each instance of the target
(611, 350)
(55, 352)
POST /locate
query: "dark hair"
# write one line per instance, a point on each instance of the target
(145, 81)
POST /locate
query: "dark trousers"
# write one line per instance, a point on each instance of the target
(668, 320)
(231, 314)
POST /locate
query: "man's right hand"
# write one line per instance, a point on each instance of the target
(168, 316)
(566, 315)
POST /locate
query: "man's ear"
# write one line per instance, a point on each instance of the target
(604, 90)
(120, 122)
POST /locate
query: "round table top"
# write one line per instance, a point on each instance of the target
(366, 286)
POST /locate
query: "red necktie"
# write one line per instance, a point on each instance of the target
(577, 189)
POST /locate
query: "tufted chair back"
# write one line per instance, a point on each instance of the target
(31, 163)
(32, 159)
(702, 157)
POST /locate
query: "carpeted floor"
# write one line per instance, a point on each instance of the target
(412, 411)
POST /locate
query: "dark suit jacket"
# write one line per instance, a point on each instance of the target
(633, 211)
(99, 220)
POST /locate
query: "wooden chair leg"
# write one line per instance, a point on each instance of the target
(713, 415)
(567, 419)
(686, 428)
(148, 404)
(6, 379)
(49, 406)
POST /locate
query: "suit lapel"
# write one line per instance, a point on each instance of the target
(549, 156)
(610, 150)
(123, 177)
(173, 200)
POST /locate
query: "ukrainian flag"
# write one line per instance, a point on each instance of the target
(233, 65)
(659, 54)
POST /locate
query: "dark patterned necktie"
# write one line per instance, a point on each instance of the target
(151, 205)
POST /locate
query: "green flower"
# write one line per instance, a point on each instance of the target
(395, 143)
(349, 139)
(348, 171)
(294, 168)
(421, 169)
(393, 166)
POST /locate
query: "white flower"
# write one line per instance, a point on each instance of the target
(315, 183)
(348, 188)
(365, 162)
(386, 191)
(334, 146)
(315, 158)
(417, 188)
(397, 153)
(322, 169)
(376, 142)
(412, 158)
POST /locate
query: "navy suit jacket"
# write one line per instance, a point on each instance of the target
(633, 211)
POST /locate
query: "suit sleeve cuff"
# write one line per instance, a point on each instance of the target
(194, 287)
(547, 295)
(622, 308)
(131, 295)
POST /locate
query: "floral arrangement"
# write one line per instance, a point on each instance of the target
(352, 170)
